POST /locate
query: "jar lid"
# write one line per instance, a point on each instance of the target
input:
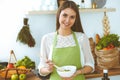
(105, 71)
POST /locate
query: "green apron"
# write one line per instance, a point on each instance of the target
(66, 56)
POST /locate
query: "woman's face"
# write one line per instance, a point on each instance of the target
(67, 18)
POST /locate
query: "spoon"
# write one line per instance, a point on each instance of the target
(59, 68)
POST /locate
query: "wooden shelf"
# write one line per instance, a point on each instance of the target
(81, 10)
(98, 10)
(42, 12)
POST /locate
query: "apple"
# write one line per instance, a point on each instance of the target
(14, 77)
(22, 77)
(10, 65)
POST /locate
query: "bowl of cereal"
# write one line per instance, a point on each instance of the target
(66, 71)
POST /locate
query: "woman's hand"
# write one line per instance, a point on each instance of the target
(86, 69)
(50, 65)
(48, 69)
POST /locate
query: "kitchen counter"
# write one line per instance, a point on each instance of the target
(97, 73)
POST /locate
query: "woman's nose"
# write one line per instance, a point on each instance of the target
(67, 19)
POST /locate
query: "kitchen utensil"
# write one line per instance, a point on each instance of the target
(58, 68)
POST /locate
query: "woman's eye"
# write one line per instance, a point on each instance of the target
(65, 15)
(72, 17)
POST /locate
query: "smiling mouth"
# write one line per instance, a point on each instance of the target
(66, 24)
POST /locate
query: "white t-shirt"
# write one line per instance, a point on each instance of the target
(65, 41)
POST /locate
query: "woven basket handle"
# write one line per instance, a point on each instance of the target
(12, 54)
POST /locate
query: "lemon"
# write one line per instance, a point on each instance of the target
(21, 67)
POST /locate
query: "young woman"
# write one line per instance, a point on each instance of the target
(67, 46)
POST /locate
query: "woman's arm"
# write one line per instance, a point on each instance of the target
(45, 66)
(84, 70)
(88, 57)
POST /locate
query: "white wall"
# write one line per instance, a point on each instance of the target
(11, 21)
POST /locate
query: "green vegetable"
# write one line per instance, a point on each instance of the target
(1, 67)
(27, 62)
(66, 70)
(107, 40)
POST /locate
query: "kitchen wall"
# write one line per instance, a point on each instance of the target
(11, 21)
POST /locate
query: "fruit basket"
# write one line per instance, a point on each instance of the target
(7, 73)
(15, 66)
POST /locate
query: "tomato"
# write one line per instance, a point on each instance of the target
(111, 46)
(10, 65)
(105, 49)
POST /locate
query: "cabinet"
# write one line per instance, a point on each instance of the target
(81, 10)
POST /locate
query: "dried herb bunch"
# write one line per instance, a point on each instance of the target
(24, 36)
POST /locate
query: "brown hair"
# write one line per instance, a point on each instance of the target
(70, 4)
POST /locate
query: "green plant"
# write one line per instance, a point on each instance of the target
(107, 41)
(27, 62)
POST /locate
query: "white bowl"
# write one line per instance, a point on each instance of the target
(68, 71)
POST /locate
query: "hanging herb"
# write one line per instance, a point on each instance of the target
(24, 36)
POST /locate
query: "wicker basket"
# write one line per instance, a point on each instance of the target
(7, 73)
(107, 59)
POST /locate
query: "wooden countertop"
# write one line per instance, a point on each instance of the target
(97, 73)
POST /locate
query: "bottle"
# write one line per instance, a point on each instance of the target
(12, 60)
(82, 5)
(105, 75)
(94, 5)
